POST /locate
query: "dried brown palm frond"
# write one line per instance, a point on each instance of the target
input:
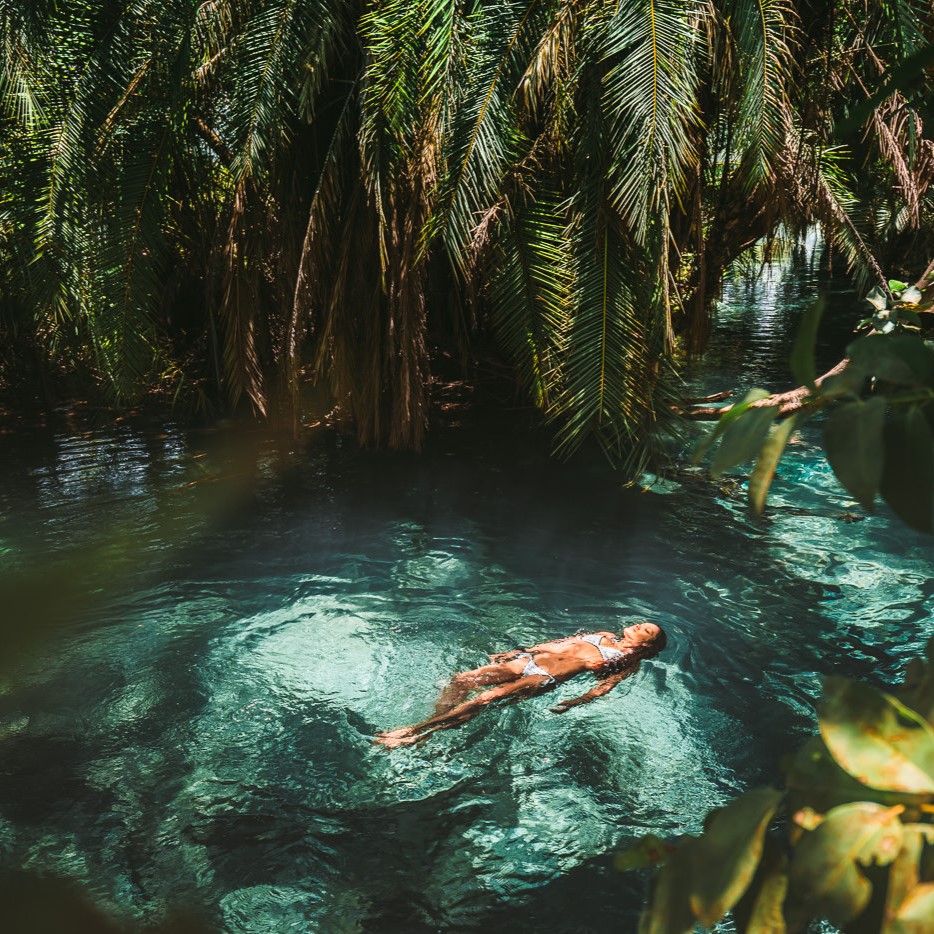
(897, 132)
(240, 290)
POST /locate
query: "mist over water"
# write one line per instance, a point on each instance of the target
(201, 732)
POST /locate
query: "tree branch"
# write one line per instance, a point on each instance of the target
(795, 399)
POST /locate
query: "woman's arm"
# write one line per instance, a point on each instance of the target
(504, 656)
(604, 687)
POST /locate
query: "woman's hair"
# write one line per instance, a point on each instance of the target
(634, 654)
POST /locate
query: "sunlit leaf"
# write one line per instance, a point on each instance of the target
(911, 296)
(877, 298)
(669, 910)
(769, 456)
(915, 912)
(761, 909)
(727, 855)
(825, 880)
(815, 779)
(649, 850)
(730, 415)
(803, 367)
(897, 286)
(875, 738)
(903, 880)
(743, 438)
(853, 444)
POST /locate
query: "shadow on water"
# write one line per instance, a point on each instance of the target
(234, 622)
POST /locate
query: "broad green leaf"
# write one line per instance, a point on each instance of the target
(903, 877)
(877, 298)
(898, 358)
(760, 910)
(743, 438)
(875, 738)
(727, 855)
(769, 456)
(825, 880)
(814, 779)
(896, 286)
(908, 473)
(802, 356)
(916, 913)
(647, 851)
(768, 916)
(911, 296)
(847, 382)
(729, 416)
(669, 911)
(853, 443)
(912, 317)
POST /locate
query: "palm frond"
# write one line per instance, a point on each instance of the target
(822, 191)
(486, 137)
(530, 293)
(650, 97)
(24, 37)
(317, 261)
(763, 31)
(613, 367)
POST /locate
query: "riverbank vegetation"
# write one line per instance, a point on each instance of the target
(231, 201)
(849, 837)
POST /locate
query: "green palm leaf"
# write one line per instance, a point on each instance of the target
(650, 98)
(762, 30)
(529, 293)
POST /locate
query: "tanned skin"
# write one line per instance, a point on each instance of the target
(562, 659)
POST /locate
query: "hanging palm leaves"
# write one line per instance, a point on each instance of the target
(280, 190)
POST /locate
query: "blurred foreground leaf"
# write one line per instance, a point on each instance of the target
(760, 910)
(825, 876)
(803, 367)
(876, 739)
(743, 438)
(727, 856)
(769, 456)
(853, 442)
(648, 851)
(908, 474)
(909, 906)
(728, 417)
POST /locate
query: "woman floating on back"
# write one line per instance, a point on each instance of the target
(519, 674)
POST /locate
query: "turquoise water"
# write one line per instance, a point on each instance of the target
(242, 618)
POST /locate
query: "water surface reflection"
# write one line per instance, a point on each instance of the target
(203, 731)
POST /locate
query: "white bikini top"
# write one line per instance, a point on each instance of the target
(608, 653)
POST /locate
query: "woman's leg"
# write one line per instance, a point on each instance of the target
(462, 713)
(456, 691)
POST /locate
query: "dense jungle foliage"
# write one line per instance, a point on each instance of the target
(231, 199)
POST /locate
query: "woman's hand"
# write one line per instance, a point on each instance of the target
(566, 705)
(504, 656)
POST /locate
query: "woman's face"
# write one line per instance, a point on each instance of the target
(641, 632)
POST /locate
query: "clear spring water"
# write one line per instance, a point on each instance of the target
(242, 620)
